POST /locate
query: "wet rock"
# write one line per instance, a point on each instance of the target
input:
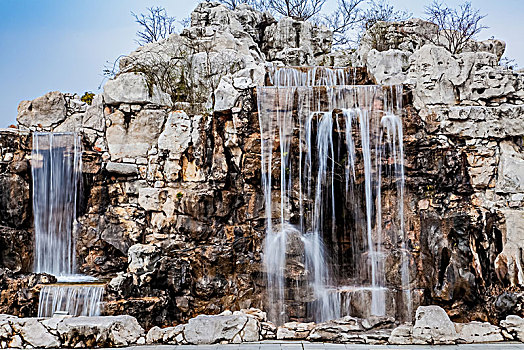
(433, 326)
(14, 203)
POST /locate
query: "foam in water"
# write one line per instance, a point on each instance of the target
(298, 108)
(71, 299)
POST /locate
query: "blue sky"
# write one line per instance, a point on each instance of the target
(64, 45)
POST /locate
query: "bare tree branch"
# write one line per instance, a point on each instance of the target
(457, 27)
(155, 25)
(344, 19)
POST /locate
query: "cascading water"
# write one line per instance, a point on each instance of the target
(56, 169)
(76, 300)
(336, 146)
(56, 166)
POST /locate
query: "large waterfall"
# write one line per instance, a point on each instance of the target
(56, 164)
(333, 182)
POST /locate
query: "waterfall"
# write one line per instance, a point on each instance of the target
(57, 170)
(56, 166)
(74, 300)
(336, 146)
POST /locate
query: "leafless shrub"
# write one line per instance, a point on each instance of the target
(458, 26)
(155, 25)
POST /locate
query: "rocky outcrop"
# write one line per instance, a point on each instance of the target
(77, 332)
(172, 211)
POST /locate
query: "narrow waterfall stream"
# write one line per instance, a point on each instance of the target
(333, 183)
(56, 167)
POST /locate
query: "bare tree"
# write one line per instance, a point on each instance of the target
(256, 4)
(381, 11)
(155, 25)
(297, 9)
(457, 26)
(343, 20)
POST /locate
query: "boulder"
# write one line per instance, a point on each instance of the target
(514, 326)
(133, 88)
(122, 168)
(294, 330)
(34, 333)
(401, 335)
(478, 332)
(388, 67)
(44, 112)
(105, 330)
(433, 326)
(205, 329)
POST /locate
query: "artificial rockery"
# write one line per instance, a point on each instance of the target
(195, 162)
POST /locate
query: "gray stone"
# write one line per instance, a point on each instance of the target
(401, 335)
(433, 326)
(122, 168)
(154, 335)
(107, 330)
(388, 67)
(179, 132)
(142, 258)
(131, 137)
(46, 111)
(514, 325)
(205, 329)
(510, 177)
(34, 333)
(478, 332)
(509, 264)
(133, 88)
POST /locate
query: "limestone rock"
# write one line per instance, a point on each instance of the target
(179, 132)
(205, 329)
(433, 326)
(294, 330)
(133, 88)
(142, 258)
(478, 332)
(122, 168)
(46, 111)
(509, 264)
(514, 325)
(132, 137)
(225, 95)
(34, 333)
(296, 42)
(511, 168)
(107, 330)
(388, 67)
(401, 335)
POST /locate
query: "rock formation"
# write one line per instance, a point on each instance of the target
(172, 209)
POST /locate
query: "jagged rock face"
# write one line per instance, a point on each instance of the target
(172, 210)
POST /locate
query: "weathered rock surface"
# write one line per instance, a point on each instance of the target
(77, 332)
(433, 326)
